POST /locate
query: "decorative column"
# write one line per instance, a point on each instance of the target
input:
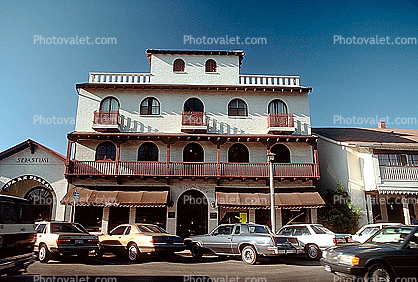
(105, 220)
(314, 215)
(132, 215)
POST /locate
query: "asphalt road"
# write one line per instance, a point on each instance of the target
(177, 268)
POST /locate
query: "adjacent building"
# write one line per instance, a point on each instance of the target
(378, 167)
(185, 145)
(32, 171)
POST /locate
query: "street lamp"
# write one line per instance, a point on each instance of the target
(270, 159)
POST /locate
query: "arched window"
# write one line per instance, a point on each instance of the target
(178, 65)
(150, 106)
(237, 107)
(148, 152)
(106, 151)
(238, 153)
(109, 104)
(193, 152)
(193, 105)
(282, 153)
(210, 65)
(277, 107)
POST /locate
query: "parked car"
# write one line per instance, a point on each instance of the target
(390, 253)
(55, 238)
(246, 240)
(368, 230)
(135, 239)
(314, 238)
(16, 235)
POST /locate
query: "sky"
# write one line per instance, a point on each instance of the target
(353, 82)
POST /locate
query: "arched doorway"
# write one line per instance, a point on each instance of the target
(193, 152)
(192, 214)
(282, 153)
(42, 202)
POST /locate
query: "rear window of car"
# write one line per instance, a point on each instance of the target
(285, 231)
(319, 229)
(151, 228)
(65, 228)
(258, 229)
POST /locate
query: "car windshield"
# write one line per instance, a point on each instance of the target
(391, 235)
(258, 229)
(151, 228)
(368, 231)
(319, 229)
(66, 228)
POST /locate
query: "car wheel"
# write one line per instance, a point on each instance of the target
(313, 252)
(133, 252)
(196, 251)
(249, 255)
(43, 254)
(377, 273)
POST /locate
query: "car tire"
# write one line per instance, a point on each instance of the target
(197, 251)
(249, 255)
(133, 252)
(377, 273)
(44, 255)
(313, 252)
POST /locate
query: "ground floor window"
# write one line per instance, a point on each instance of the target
(89, 217)
(263, 216)
(235, 216)
(395, 210)
(152, 215)
(295, 216)
(117, 216)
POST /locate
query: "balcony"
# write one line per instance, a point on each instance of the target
(106, 121)
(399, 173)
(292, 171)
(280, 123)
(194, 122)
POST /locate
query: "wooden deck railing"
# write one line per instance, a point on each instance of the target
(184, 169)
(106, 117)
(280, 120)
(399, 173)
(193, 118)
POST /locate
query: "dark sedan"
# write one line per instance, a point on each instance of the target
(390, 253)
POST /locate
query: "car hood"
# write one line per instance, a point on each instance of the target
(365, 248)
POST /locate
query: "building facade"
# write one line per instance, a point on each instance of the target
(378, 167)
(185, 145)
(32, 171)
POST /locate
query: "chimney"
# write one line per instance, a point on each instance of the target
(381, 124)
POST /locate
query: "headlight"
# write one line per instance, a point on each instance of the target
(348, 259)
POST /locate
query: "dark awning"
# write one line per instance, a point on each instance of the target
(116, 198)
(262, 200)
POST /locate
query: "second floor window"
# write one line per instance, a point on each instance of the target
(238, 153)
(282, 153)
(148, 152)
(178, 65)
(210, 65)
(193, 105)
(277, 107)
(106, 151)
(150, 106)
(109, 104)
(237, 107)
(397, 160)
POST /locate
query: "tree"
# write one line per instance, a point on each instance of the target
(339, 214)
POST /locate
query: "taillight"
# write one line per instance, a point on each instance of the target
(63, 241)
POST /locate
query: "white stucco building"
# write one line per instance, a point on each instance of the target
(378, 167)
(35, 172)
(185, 145)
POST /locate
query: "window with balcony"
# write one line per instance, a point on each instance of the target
(150, 106)
(178, 65)
(238, 153)
(413, 160)
(106, 151)
(397, 159)
(109, 104)
(277, 107)
(193, 152)
(237, 107)
(193, 105)
(210, 65)
(148, 152)
(282, 153)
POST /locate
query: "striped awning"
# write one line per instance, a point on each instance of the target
(89, 197)
(262, 200)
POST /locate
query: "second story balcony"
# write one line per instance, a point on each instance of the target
(281, 171)
(194, 122)
(399, 173)
(106, 121)
(280, 123)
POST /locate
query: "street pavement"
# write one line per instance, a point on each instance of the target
(182, 268)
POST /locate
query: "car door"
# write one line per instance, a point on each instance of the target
(236, 239)
(303, 234)
(406, 261)
(113, 240)
(219, 241)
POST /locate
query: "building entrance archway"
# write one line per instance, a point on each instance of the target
(192, 214)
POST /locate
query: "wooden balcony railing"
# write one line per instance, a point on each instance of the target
(184, 169)
(193, 119)
(399, 173)
(280, 120)
(106, 118)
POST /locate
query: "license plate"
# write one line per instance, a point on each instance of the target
(327, 268)
(79, 242)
